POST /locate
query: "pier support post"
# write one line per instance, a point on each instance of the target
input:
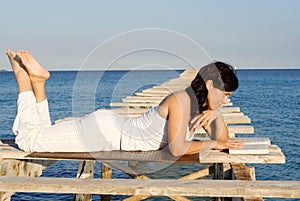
(21, 168)
(218, 171)
(218, 175)
(85, 170)
(106, 174)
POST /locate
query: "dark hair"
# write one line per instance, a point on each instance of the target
(224, 78)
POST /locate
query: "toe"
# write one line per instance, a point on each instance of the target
(10, 53)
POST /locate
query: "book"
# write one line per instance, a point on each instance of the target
(252, 146)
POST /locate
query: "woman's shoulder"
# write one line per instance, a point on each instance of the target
(178, 97)
(177, 101)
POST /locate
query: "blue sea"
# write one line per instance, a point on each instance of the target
(271, 98)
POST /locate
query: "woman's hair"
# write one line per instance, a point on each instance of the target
(224, 78)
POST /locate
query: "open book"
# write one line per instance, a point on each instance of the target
(252, 146)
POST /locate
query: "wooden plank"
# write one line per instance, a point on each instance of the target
(229, 109)
(159, 91)
(201, 134)
(11, 152)
(275, 156)
(150, 156)
(172, 87)
(142, 105)
(232, 130)
(215, 188)
(130, 110)
(234, 114)
(226, 111)
(134, 104)
(182, 84)
(140, 98)
(227, 119)
(237, 119)
(240, 129)
(149, 94)
(16, 168)
(215, 156)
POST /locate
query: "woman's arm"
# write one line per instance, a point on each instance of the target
(213, 123)
(177, 108)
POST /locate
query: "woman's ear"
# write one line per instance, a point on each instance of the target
(209, 84)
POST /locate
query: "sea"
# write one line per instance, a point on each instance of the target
(270, 98)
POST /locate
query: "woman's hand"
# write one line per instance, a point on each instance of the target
(204, 119)
(227, 145)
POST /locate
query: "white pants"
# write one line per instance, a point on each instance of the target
(98, 131)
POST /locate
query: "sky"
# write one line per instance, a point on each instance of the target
(137, 34)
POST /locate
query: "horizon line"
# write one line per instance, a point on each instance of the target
(248, 68)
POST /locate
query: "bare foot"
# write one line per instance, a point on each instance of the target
(15, 62)
(21, 75)
(36, 72)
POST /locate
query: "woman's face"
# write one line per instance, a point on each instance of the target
(217, 98)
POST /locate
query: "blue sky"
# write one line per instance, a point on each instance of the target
(63, 33)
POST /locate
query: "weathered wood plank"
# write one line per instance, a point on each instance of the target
(215, 188)
(143, 105)
(228, 119)
(159, 91)
(16, 168)
(224, 110)
(149, 100)
(141, 99)
(149, 94)
(179, 84)
(11, 152)
(182, 82)
(215, 156)
(150, 156)
(240, 129)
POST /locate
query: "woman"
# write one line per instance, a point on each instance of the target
(167, 124)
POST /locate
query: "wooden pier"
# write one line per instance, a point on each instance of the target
(232, 178)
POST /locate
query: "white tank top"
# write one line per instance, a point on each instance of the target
(146, 132)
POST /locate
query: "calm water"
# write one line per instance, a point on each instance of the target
(271, 98)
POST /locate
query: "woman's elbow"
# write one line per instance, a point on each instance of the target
(175, 151)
